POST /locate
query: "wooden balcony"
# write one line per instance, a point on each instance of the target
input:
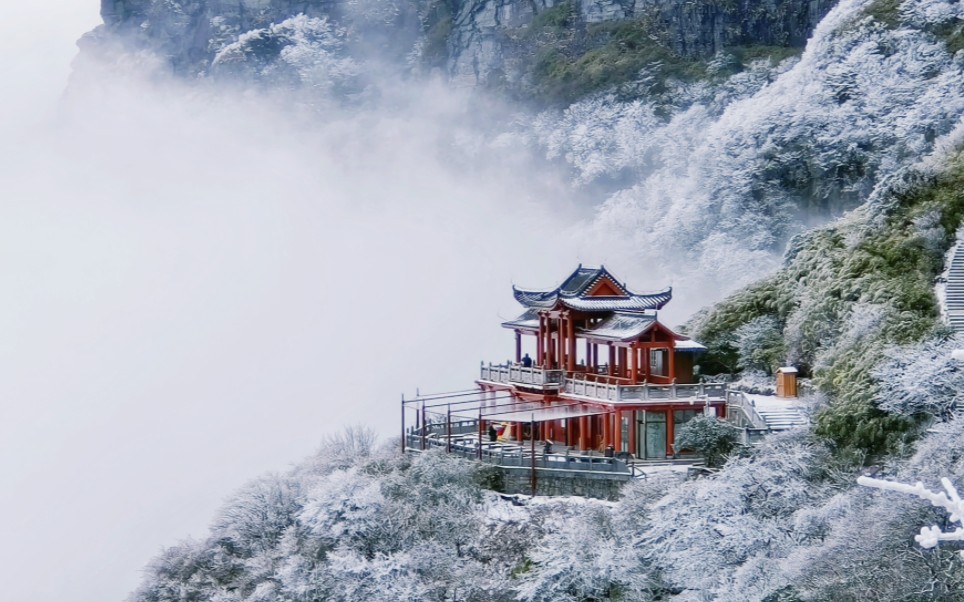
(620, 392)
(601, 387)
(512, 374)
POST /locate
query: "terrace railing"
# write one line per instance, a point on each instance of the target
(521, 375)
(589, 388)
(508, 455)
(595, 387)
(643, 392)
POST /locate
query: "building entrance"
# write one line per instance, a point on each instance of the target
(651, 435)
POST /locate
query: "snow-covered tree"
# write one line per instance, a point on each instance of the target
(760, 344)
(585, 558)
(709, 437)
(921, 380)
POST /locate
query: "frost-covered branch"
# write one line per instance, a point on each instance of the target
(948, 499)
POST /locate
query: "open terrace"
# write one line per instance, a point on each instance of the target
(457, 423)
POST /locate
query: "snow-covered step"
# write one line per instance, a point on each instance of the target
(782, 419)
(954, 290)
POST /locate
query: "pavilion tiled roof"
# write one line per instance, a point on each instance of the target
(572, 293)
(527, 321)
(618, 327)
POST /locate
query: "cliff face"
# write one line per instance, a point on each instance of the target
(483, 31)
(493, 42)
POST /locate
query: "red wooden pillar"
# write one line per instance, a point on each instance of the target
(647, 367)
(588, 356)
(634, 364)
(563, 360)
(572, 343)
(518, 346)
(607, 430)
(622, 362)
(612, 360)
(670, 433)
(618, 430)
(632, 432)
(671, 352)
(583, 433)
(540, 360)
(561, 340)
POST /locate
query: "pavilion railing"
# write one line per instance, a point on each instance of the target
(594, 389)
(514, 374)
(508, 455)
(578, 384)
(644, 392)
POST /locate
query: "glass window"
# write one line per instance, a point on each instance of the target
(652, 416)
(681, 417)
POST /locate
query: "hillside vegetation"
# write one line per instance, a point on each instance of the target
(848, 292)
(783, 522)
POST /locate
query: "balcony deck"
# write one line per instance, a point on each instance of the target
(580, 385)
(462, 438)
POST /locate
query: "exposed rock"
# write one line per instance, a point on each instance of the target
(473, 41)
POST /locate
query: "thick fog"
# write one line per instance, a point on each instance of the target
(198, 286)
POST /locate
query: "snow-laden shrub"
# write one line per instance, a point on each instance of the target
(922, 380)
(755, 382)
(867, 550)
(722, 537)
(586, 559)
(709, 437)
(301, 51)
(760, 344)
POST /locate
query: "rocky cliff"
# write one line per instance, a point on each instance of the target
(522, 46)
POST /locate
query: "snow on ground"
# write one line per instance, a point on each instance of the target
(770, 403)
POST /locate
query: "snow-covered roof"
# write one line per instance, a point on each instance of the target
(620, 327)
(689, 345)
(573, 293)
(787, 370)
(527, 321)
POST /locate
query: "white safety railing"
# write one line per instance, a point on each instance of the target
(522, 375)
(643, 392)
(739, 401)
(435, 436)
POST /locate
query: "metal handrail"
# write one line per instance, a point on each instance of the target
(510, 456)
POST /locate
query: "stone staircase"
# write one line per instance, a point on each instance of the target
(958, 412)
(954, 291)
(783, 418)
